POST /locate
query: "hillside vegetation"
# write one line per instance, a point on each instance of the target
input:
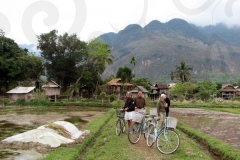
(212, 51)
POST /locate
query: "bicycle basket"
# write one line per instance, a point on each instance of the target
(120, 113)
(171, 122)
(142, 111)
(153, 111)
(137, 117)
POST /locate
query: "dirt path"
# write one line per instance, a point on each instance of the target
(149, 153)
(222, 125)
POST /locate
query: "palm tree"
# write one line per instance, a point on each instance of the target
(133, 60)
(182, 72)
(101, 56)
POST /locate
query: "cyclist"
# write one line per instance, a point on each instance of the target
(162, 105)
(129, 107)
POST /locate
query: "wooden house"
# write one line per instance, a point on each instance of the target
(116, 86)
(135, 90)
(237, 90)
(228, 91)
(51, 89)
(163, 88)
(26, 93)
(154, 94)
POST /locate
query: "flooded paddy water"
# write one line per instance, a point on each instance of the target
(222, 125)
(23, 119)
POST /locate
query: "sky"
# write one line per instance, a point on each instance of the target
(22, 20)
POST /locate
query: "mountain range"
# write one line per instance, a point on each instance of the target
(212, 51)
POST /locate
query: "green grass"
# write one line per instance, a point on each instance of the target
(73, 152)
(223, 150)
(109, 146)
(46, 103)
(202, 104)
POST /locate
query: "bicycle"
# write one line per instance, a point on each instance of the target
(139, 127)
(167, 138)
(120, 124)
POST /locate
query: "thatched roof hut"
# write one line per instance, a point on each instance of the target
(51, 88)
(228, 91)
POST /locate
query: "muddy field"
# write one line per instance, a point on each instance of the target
(225, 126)
(222, 125)
(11, 124)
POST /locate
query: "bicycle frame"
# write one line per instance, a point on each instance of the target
(157, 132)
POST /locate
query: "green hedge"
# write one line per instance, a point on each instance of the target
(73, 152)
(42, 102)
(216, 146)
(207, 105)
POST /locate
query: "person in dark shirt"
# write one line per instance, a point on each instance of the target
(167, 100)
(129, 107)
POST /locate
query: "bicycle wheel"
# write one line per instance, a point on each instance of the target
(135, 133)
(150, 135)
(123, 124)
(118, 127)
(168, 141)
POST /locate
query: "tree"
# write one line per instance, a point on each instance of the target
(206, 89)
(16, 64)
(133, 61)
(32, 66)
(142, 82)
(125, 74)
(179, 89)
(190, 89)
(64, 56)
(102, 95)
(101, 56)
(182, 72)
(1, 33)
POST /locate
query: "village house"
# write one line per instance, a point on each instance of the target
(154, 94)
(157, 90)
(117, 87)
(52, 90)
(135, 90)
(237, 90)
(26, 93)
(163, 88)
(228, 91)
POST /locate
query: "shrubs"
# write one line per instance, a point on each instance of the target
(19, 102)
(112, 97)
(117, 104)
(39, 102)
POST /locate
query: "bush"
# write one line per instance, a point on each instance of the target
(39, 102)
(20, 102)
(5, 102)
(113, 97)
(117, 104)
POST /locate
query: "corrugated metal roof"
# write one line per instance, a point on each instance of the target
(21, 90)
(49, 85)
(137, 88)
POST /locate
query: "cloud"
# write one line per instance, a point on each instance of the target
(23, 20)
